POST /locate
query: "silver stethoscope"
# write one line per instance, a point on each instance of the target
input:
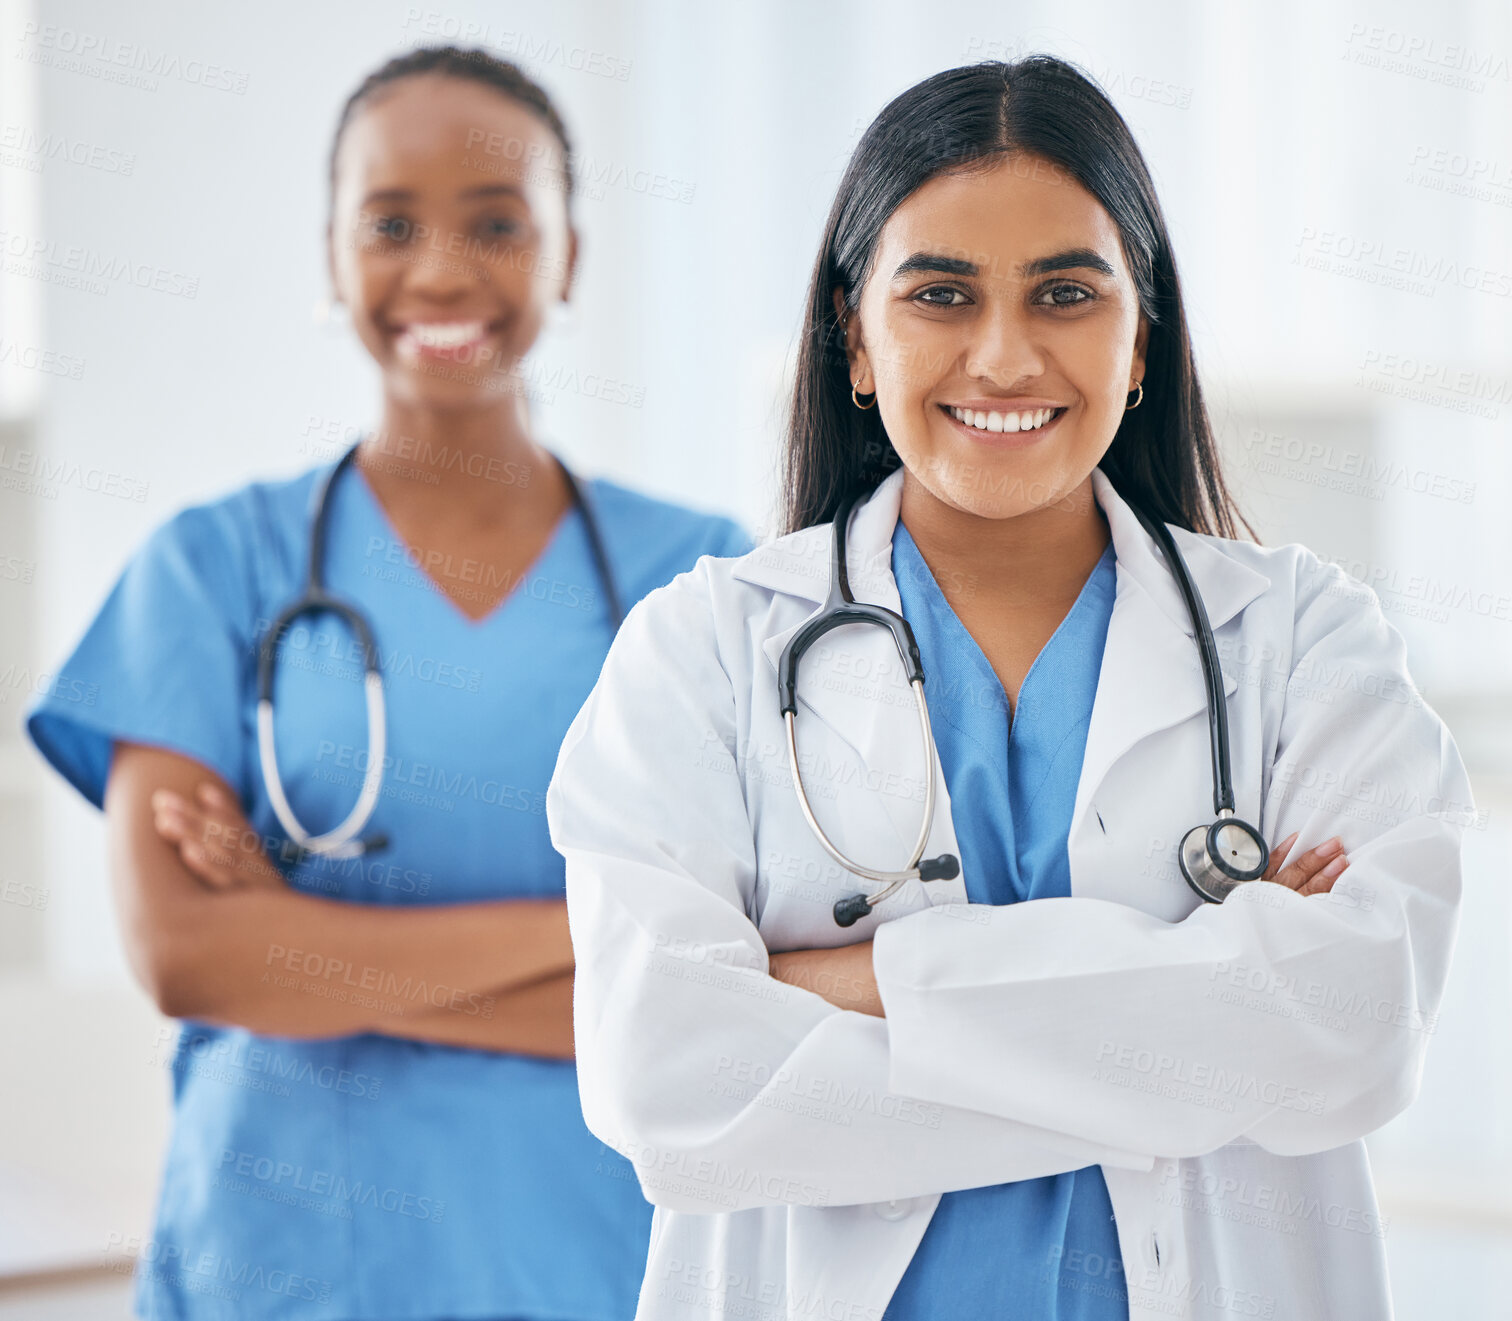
(343, 841)
(1213, 858)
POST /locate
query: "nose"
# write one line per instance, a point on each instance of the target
(443, 277)
(1003, 350)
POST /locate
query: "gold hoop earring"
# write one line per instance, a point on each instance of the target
(858, 403)
(1139, 399)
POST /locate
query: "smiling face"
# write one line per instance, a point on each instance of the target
(1001, 332)
(449, 236)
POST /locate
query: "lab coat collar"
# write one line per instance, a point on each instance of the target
(799, 564)
(1151, 676)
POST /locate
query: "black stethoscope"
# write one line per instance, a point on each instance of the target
(342, 841)
(1213, 858)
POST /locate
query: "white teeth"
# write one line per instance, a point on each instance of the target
(996, 422)
(446, 334)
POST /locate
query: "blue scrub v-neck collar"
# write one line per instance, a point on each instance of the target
(957, 642)
(547, 553)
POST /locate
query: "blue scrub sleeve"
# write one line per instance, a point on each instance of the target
(165, 661)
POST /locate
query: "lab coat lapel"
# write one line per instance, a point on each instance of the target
(1151, 676)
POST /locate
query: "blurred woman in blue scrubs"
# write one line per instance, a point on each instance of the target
(376, 1106)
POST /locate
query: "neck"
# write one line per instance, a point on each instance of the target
(1042, 558)
(474, 463)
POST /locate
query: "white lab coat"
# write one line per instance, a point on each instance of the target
(1221, 1063)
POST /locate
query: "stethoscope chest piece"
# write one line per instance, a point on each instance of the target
(1217, 858)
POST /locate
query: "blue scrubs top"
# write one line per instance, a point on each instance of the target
(1037, 1249)
(370, 1176)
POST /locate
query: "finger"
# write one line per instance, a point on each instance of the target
(207, 832)
(178, 824)
(223, 841)
(166, 803)
(1277, 854)
(218, 846)
(1311, 863)
(170, 824)
(217, 828)
(162, 798)
(204, 867)
(212, 796)
(1299, 872)
(224, 815)
(185, 825)
(232, 848)
(1323, 882)
(219, 807)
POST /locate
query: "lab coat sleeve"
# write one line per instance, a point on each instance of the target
(1297, 1023)
(725, 1088)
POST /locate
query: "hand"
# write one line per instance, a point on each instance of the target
(1314, 872)
(214, 840)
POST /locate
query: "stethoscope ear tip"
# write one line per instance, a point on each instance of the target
(944, 868)
(851, 909)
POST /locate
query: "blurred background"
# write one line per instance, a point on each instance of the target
(1338, 181)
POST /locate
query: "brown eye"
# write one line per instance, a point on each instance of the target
(951, 297)
(500, 227)
(1064, 295)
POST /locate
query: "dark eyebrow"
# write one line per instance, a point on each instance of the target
(492, 190)
(928, 261)
(1071, 259)
(468, 194)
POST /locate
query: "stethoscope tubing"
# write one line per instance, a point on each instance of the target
(1211, 877)
(1207, 649)
(342, 841)
(892, 879)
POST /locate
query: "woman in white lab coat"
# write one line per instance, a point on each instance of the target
(1059, 1084)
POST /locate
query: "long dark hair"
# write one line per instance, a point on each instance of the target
(1163, 457)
